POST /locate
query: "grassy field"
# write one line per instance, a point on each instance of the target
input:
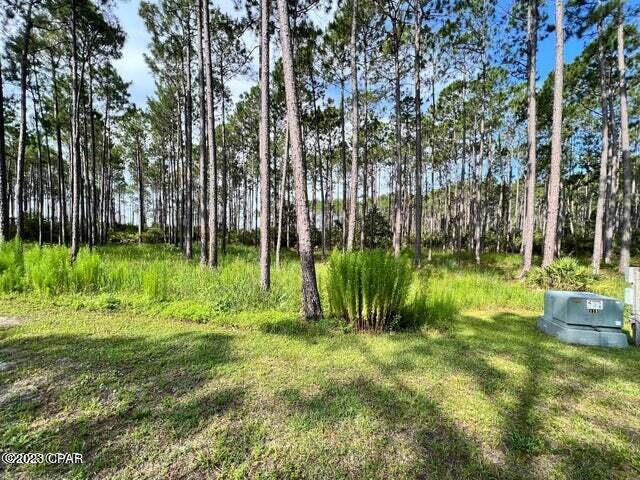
(205, 376)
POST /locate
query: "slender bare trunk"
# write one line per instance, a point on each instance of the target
(22, 136)
(529, 207)
(553, 193)
(203, 197)
(140, 181)
(602, 191)
(626, 159)
(62, 192)
(265, 261)
(283, 186)
(188, 127)
(211, 143)
(75, 137)
(353, 200)
(418, 107)
(310, 295)
(365, 150)
(344, 166)
(397, 198)
(4, 206)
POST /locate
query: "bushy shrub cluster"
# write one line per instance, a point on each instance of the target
(152, 235)
(370, 290)
(563, 274)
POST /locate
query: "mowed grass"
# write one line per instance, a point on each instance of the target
(477, 393)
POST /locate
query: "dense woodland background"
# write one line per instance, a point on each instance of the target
(400, 124)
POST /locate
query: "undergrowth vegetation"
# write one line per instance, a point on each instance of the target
(371, 289)
(566, 273)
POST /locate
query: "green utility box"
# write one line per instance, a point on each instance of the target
(583, 318)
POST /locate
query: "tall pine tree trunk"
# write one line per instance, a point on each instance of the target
(530, 196)
(224, 190)
(310, 295)
(418, 119)
(211, 143)
(75, 137)
(602, 191)
(265, 261)
(140, 181)
(625, 250)
(365, 149)
(62, 191)
(553, 193)
(344, 166)
(203, 197)
(22, 136)
(188, 126)
(353, 200)
(4, 206)
(397, 197)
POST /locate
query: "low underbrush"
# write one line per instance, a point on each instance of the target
(157, 280)
(152, 278)
(565, 273)
(370, 290)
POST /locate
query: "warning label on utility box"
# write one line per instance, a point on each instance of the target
(595, 304)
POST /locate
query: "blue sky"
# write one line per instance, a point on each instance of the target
(133, 68)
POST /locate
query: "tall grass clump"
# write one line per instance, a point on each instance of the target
(155, 282)
(87, 272)
(48, 269)
(123, 276)
(474, 288)
(563, 274)
(368, 289)
(11, 265)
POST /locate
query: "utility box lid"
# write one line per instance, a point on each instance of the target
(583, 308)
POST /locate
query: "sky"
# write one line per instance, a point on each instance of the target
(133, 68)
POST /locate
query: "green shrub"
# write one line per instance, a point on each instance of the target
(152, 235)
(48, 269)
(11, 265)
(123, 237)
(155, 282)
(377, 229)
(87, 272)
(368, 289)
(563, 274)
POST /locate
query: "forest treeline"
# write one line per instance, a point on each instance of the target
(417, 124)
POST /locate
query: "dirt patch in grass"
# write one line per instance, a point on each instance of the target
(11, 321)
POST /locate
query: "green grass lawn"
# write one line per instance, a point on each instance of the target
(255, 393)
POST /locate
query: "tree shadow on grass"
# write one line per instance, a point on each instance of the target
(90, 394)
(550, 369)
(105, 393)
(536, 389)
